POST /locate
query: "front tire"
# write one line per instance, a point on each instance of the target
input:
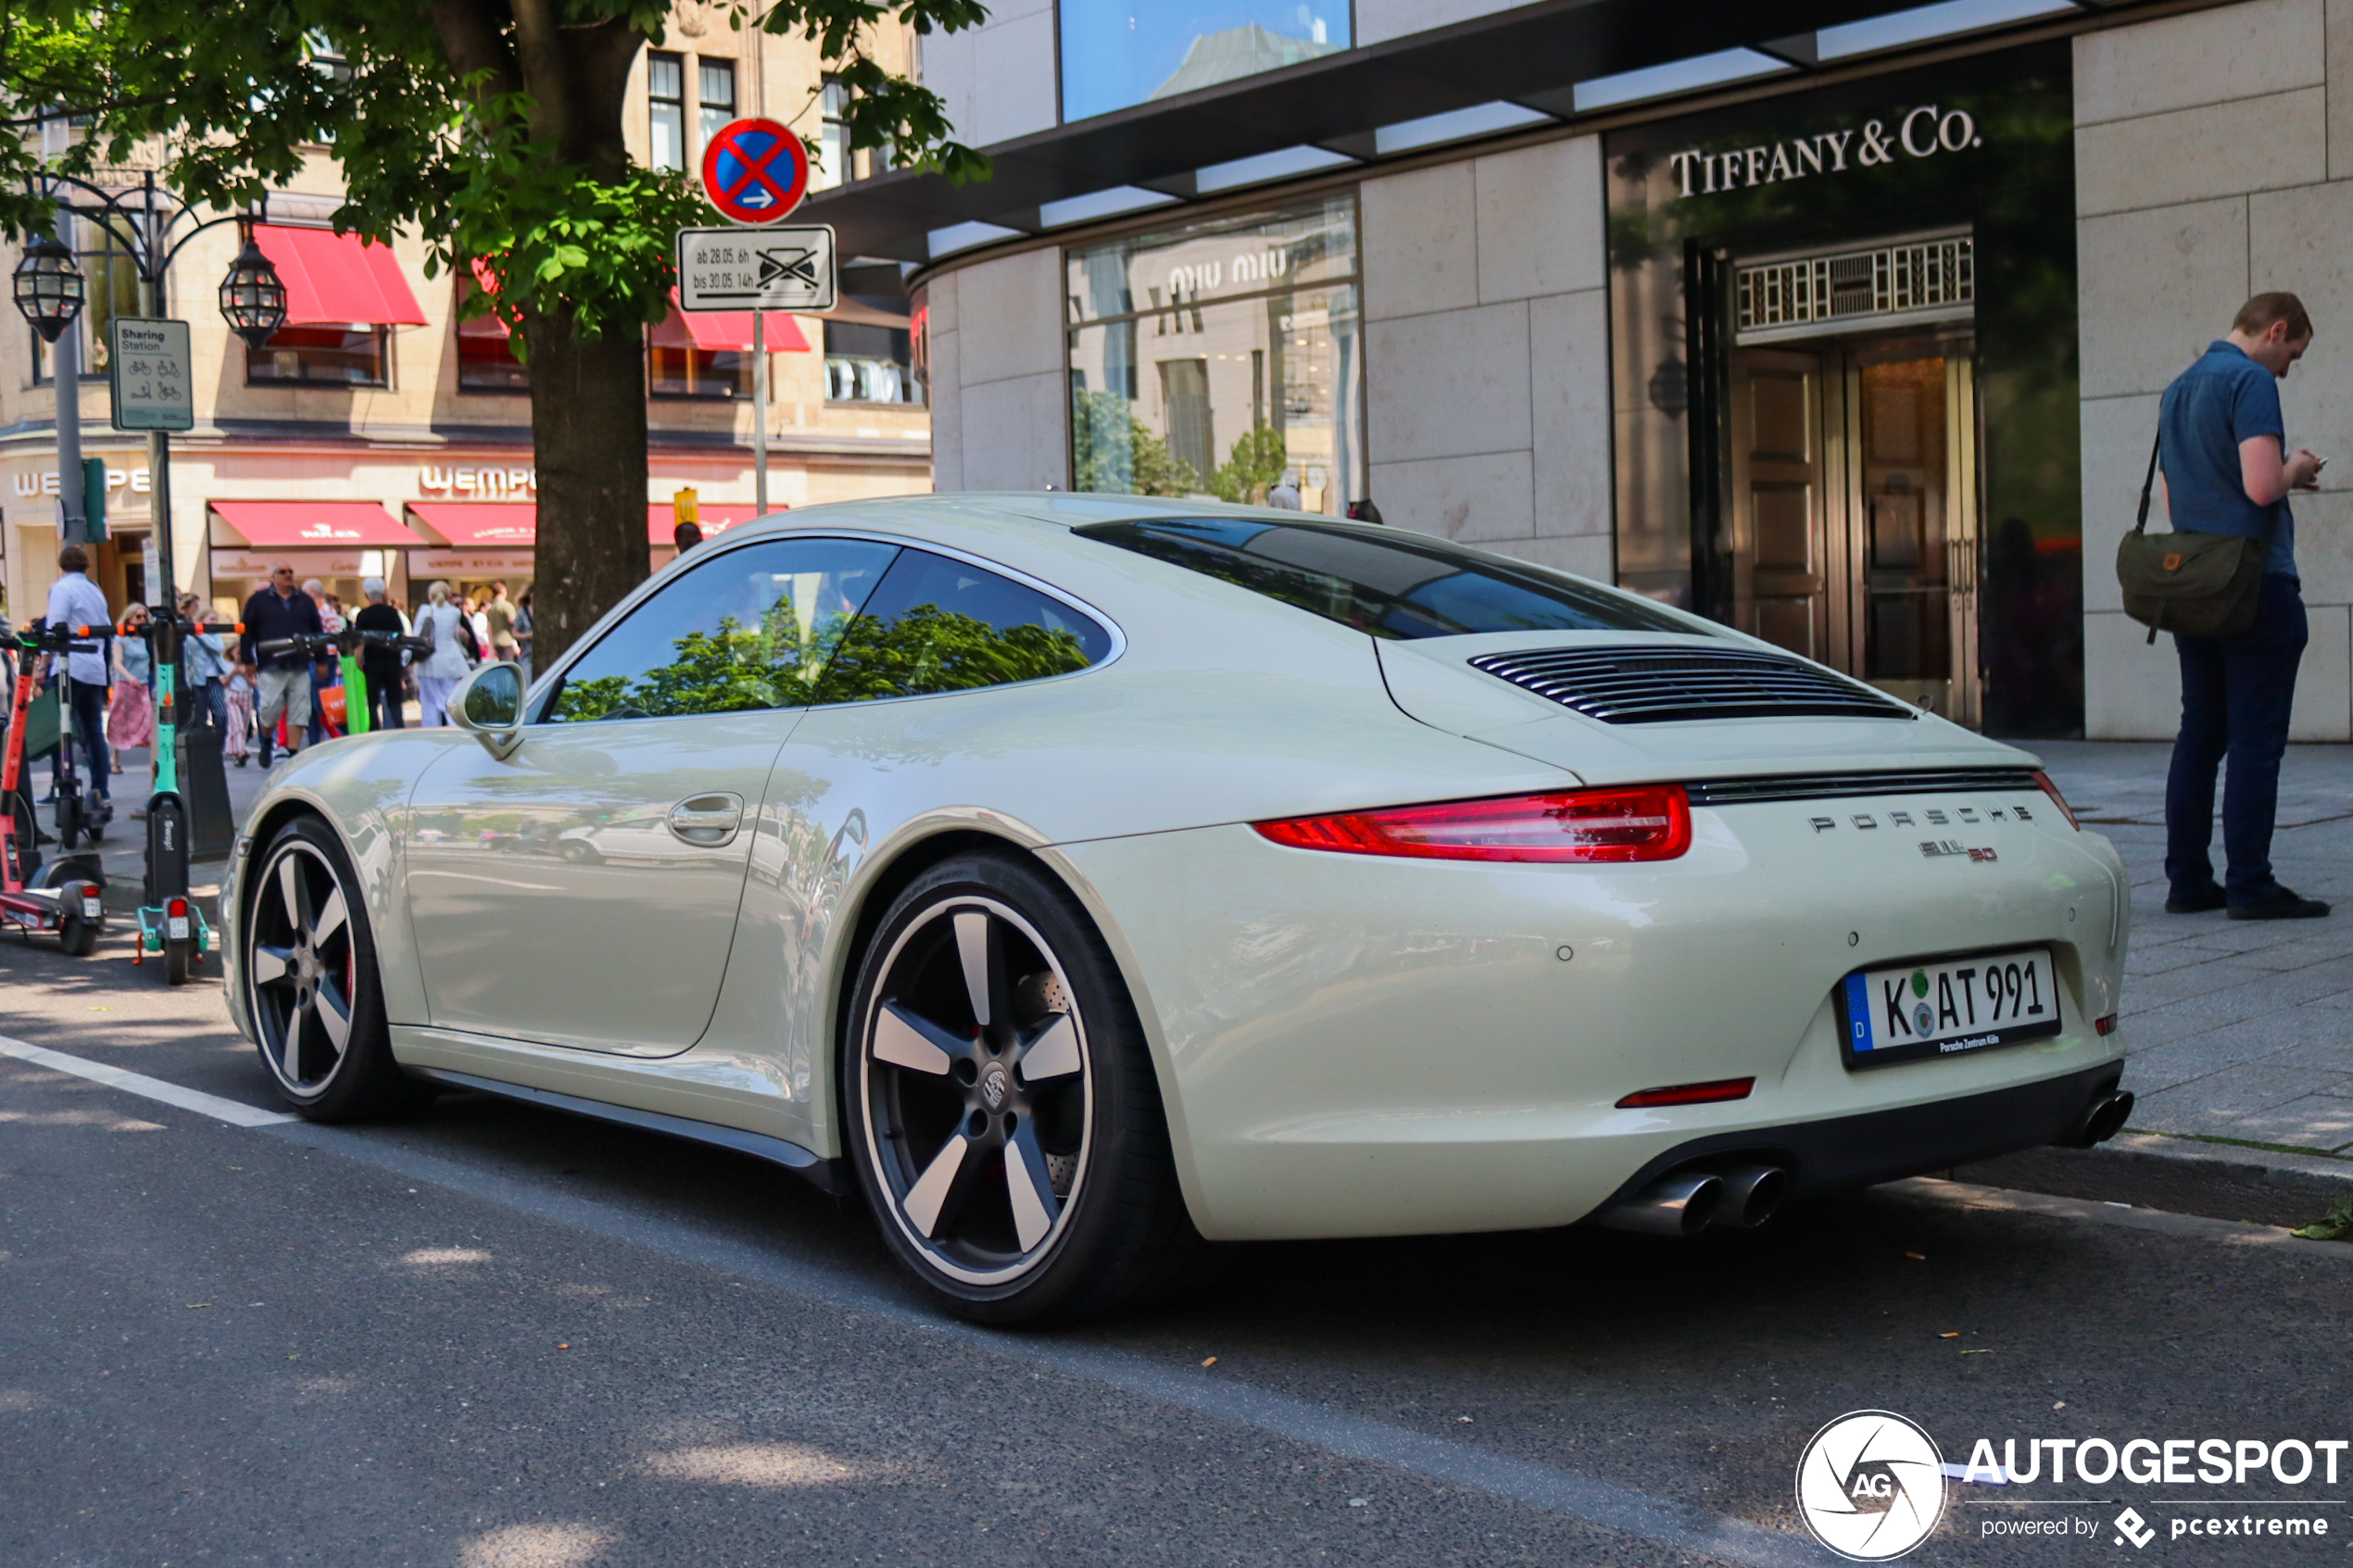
(311, 985)
(1001, 1105)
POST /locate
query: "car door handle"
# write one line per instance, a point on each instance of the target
(706, 820)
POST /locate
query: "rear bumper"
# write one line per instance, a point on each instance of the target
(1844, 1152)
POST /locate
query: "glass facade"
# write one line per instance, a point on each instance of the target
(1115, 53)
(1221, 358)
(866, 362)
(1815, 445)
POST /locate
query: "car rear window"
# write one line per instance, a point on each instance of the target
(1389, 585)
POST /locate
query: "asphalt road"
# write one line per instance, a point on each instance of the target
(500, 1335)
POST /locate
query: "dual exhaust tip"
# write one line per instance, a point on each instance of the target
(1683, 1203)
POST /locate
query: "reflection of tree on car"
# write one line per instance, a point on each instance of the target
(840, 658)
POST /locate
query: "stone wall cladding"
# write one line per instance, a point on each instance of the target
(1487, 353)
(2214, 159)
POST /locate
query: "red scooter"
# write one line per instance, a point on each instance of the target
(66, 896)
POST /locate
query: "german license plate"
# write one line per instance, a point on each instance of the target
(1947, 1007)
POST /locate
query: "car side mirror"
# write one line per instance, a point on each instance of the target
(488, 703)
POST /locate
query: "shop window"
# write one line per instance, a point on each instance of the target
(1115, 53)
(666, 109)
(715, 96)
(868, 363)
(110, 280)
(1220, 359)
(684, 370)
(330, 355)
(486, 360)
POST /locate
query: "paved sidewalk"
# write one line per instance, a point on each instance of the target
(2237, 1029)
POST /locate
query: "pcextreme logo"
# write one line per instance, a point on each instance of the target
(1871, 1485)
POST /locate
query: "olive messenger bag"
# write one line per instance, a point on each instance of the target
(2190, 585)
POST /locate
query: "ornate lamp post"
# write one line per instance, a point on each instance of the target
(253, 300)
(48, 287)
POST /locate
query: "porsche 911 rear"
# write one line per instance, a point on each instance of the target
(1774, 933)
(1664, 1005)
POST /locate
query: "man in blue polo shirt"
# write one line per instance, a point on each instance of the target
(2222, 443)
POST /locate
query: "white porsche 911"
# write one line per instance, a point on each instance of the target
(1083, 878)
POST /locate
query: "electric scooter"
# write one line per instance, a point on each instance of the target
(66, 895)
(171, 922)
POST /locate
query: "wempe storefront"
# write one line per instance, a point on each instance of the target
(1844, 329)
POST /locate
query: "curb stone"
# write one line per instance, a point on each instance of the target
(2184, 1175)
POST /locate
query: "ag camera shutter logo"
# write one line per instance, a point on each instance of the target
(1871, 1485)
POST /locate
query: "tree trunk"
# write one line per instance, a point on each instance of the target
(588, 424)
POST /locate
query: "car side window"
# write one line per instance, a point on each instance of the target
(750, 628)
(942, 625)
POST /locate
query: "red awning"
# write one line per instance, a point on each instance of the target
(715, 518)
(725, 330)
(477, 525)
(308, 525)
(333, 277)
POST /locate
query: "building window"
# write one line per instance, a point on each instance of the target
(110, 280)
(1220, 359)
(870, 363)
(1115, 53)
(486, 360)
(680, 369)
(715, 95)
(331, 355)
(832, 165)
(666, 100)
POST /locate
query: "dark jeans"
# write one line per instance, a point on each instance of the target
(383, 698)
(204, 704)
(2235, 697)
(88, 701)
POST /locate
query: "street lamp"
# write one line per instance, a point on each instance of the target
(48, 287)
(253, 299)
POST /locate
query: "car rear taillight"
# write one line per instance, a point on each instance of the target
(2105, 1025)
(1644, 822)
(1690, 1094)
(2057, 799)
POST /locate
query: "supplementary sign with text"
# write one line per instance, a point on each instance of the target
(148, 375)
(755, 268)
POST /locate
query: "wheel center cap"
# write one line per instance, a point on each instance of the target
(995, 1086)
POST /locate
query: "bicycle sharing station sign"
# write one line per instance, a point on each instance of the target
(147, 374)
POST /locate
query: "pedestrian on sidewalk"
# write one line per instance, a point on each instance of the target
(206, 660)
(445, 666)
(283, 683)
(131, 721)
(76, 602)
(2222, 441)
(380, 662)
(240, 691)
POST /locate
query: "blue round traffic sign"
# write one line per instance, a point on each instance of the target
(755, 171)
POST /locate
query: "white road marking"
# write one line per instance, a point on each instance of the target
(219, 1110)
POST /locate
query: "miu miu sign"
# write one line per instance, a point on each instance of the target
(1925, 132)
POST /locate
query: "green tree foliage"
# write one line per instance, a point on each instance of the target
(493, 127)
(1256, 464)
(1118, 454)
(844, 658)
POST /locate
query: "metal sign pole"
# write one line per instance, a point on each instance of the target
(759, 411)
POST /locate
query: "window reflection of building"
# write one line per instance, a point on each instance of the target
(1215, 358)
(869, 362)
(315, 354)
(1115, 53)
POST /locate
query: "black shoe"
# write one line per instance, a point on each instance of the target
(2281, 905)
(2197, 903)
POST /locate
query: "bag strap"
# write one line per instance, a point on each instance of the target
(2148, 482)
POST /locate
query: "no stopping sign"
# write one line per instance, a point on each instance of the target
(755, 171)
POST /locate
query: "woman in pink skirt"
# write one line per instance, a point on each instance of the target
(131, 719)
(240, 737)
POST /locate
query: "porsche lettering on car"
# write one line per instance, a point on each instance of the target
(1085, 880)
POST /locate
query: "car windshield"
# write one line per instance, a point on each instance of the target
(1387, 584)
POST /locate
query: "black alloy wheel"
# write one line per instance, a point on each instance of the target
(309, 972)
(1003, 1114)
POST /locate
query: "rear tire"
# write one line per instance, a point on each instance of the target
(175, 961)
(76, 935)
(1000, 1106)
(311, 986)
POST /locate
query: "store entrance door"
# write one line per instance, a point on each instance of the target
(1853, 480)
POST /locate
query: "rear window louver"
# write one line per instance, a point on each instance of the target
(1663, 685)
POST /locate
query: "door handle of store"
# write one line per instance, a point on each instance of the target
(707, 821)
